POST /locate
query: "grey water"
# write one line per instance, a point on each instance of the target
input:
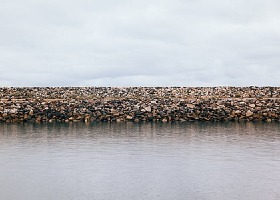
(125, 161)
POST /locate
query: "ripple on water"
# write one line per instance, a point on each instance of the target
(140, 161)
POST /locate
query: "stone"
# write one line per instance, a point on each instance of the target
(252, 105)
(249, 113)
(242, 103)
(190, 106)
(148, 109)
(13, 111)
(128, 117)
(237, 112)
(87, 118)
(139, 103)
(116, 114)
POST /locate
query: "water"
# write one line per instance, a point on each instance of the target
(125, 161)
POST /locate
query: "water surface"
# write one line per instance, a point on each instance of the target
(136, 161)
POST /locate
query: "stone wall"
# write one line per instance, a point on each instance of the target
(163, 104)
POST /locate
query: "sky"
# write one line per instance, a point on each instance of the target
(139, 43)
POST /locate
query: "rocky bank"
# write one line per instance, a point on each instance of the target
(163, 104)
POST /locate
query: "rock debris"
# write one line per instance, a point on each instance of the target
(158, 104)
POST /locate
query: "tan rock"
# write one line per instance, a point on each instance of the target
(128, 117)
(237, 112)
(190, 106)
(252, 105)
(249, 113)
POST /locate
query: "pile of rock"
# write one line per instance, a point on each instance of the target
(165, 104)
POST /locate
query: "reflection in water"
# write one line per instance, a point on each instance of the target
(140, 161)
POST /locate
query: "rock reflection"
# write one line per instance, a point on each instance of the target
(140, 161)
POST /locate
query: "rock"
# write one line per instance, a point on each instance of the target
(237, 112)
(191, 106)
(148, 109)
(252, 105)
(249, 113)
(115, 113)
(139, 103)
(13, 111)
(128, 117)
(242, 103)
(87, 118)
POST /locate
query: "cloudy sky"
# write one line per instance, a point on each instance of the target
(139, 43)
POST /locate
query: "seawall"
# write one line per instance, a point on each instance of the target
(165, 104)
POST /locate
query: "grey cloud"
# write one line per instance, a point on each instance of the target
(185, 43)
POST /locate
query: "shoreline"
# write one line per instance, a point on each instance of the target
(137, 104)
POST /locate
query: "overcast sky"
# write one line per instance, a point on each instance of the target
(139, 43)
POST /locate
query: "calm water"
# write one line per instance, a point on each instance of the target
(126, 161)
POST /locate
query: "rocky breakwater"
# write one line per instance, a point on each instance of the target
(163, 104)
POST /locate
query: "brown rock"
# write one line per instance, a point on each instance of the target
(128, 117)
(190, 106)
(249, 113)
(237, 112)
